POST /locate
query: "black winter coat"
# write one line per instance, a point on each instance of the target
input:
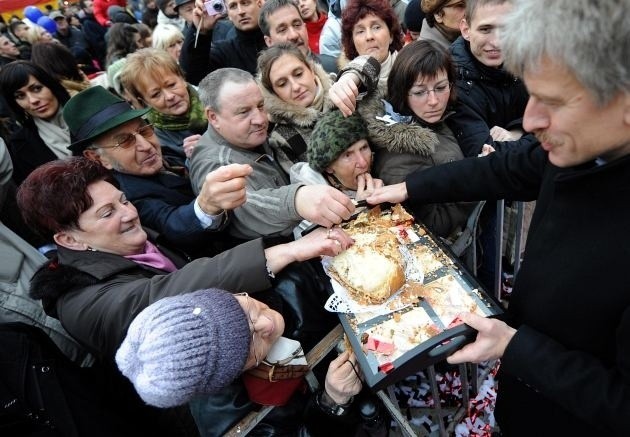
(567, 369)
(95, 36)
(28, 151)
(486, 97)
(238, 52)
(96, 295)
(44, 394)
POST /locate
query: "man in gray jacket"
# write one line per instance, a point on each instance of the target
(237, 133)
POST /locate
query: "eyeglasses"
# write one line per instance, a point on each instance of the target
(128, 139)
(252, 327)
(440, 88)
(298, 353)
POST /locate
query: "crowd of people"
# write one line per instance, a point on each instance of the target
(159, 160)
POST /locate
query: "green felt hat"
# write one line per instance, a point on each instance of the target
(93, 112)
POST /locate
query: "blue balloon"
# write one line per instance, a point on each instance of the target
(33, 13)
(48, 24)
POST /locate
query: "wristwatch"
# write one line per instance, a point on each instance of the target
(327, 404)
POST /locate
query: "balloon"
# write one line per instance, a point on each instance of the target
(33, 13)
(48, 24)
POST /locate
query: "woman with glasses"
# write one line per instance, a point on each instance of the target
(409, 130)
(38, 133)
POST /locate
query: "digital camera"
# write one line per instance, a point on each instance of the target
(215, 7)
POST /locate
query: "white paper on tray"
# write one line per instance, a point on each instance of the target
(341, 301)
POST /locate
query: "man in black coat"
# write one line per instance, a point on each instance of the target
(276, 21)
(72, 38)
(94, 33)
(200, 57)
(565, 355)
(491, 101)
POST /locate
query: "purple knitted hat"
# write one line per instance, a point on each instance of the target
(185, 345)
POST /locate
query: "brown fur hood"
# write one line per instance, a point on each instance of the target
(399, 137)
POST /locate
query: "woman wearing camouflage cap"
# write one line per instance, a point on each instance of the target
(339, 155)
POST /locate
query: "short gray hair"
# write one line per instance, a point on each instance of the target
(591, 38)
(210, 87)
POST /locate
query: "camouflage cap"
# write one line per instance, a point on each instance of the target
(333, 135)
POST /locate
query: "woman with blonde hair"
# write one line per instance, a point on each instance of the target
(155, 79)
(36, 33)
(169, 38)
(296, 95)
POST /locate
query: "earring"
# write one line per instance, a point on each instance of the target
(91, 249)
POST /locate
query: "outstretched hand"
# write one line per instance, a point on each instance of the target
(323, 205)
(344, 93)
(366, 185)
(224, 188)
(500, 134)
(396, 193)
(321, 242)
(493, 337)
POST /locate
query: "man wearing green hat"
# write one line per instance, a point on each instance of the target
(107, 129)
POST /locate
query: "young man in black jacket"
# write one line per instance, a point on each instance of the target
(200, 57)
(256, 27)
(491, 101)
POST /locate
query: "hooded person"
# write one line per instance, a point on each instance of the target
(441, 20)
(413, 20)
(118, 14)
(168, 14)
